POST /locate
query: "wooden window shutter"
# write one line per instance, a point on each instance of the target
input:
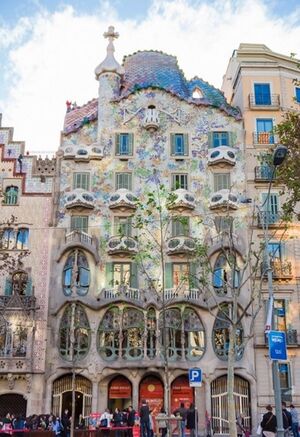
(168, 275)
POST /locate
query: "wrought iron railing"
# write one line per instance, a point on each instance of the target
(271, 101)
(264, 173)
(262, 138)
(121, 291)
(269, 218)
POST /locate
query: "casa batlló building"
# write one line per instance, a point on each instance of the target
(149, 126)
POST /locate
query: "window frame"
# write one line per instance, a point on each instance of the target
(129, 180)
(123, 281)
(261, 96)
(220, 138)
(179, 228)
(81, 218)
(84, 186)
(119, 136)
(297, 94)
(14, 196)
(173, 145)
(220, 177)
(175, 186)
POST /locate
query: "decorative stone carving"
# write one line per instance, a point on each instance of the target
(80, 198)
(182, 200)
(11, 381)
(122, 245)
(224, 199)
(28, 378)
(180, 245)
(222, 154)
(122, 199)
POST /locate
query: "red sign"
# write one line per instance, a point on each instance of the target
(120, 388)
(152, 390)
(181, 392)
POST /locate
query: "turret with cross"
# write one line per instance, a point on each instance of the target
(109, 64)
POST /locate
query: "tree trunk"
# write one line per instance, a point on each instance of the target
(230, 382)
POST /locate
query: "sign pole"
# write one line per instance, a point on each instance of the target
(195, 380)
(196, 412)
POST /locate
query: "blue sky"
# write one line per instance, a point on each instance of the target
(49, 48)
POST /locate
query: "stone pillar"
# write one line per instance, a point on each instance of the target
(135, 393)
(95, 396)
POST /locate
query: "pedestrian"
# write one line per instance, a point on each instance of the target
(295, 420)
(105, 420)
(117, 420)
(66, 423)
(6, 424)
(57, 427)
(131, 419)
(286, 419)
(269, 423)
(145, 419)
(182, 411)
(162, 423)
(240, 425)
(191, 418)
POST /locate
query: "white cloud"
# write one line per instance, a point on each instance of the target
(57, 61)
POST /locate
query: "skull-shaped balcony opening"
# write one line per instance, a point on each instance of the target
(224, 199)
(181, 245)
(222, 155)
(122, 200)
(122, 245)
(181, 200)
(151, 119)
(80, 198)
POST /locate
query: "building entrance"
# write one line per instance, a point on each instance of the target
(152, 390)
(181, 392)
(62, 396)
(119, 393)
(12, 403)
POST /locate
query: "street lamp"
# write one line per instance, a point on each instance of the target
(279, 156)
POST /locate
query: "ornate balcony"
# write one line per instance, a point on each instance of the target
(151, 120)
(17, 302)
(291, 337)
(269, 218)
(226, 239)
(122, 292)
(273, 102)
(83, 153)
(122, 200)
(224, 199)
(264, 138)
(14, 364)
(80, 198)
(222, 155)
(181, 200)
(79, 238)
(182, 293)
(122, 245)
(181, 245)
(263, 173)
(281, 269)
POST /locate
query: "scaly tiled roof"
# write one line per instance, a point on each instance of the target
(157, 70)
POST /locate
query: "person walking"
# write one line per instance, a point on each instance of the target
(182, 411)
(191, 417)
(295, 420)
(269, 423)
(145, 419)
(162, 423)
(240, 425)
(66, 423)
(117, 420)
(104, 422)
(130, 420)
(286, 419)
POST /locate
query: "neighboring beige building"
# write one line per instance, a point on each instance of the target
(262, 84)
(26, 193)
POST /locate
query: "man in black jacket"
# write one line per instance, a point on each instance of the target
(286, 419)
(269, 423)
(130, 419)
(145, 419)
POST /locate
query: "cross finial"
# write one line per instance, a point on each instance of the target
(111, 34)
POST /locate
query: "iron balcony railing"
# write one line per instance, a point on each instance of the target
(79, 237)
(269, 218)
(120, 292)
(268, 101)
(13, 302)
(262, 138)
(291, 337)
(281, 269)
(264, 173)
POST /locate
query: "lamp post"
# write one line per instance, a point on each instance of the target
(278, 157)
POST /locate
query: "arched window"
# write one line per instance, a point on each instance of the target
(223, 272)
(76, 274)
(133, 334)
(194, 336)
(151, 333)
(11, 195)
(13, 338)
(74, 316)
(22, 239)
(220, 337)
(108, 334)
(171, 340)
(20, 282)
(8, 239)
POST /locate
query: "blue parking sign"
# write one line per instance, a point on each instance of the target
(277, 345)
(195, 377)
